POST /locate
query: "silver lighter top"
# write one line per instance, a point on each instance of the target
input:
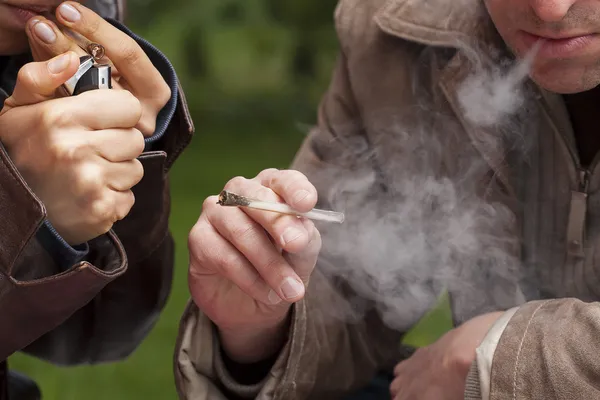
(85, 64)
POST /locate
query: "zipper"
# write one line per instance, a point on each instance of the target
(577, 215)
(575, 234)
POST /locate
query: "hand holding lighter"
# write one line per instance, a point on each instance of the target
(90, 74)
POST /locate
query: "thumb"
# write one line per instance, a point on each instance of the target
(38, 81)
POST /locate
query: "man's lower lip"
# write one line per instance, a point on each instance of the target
(557, 48)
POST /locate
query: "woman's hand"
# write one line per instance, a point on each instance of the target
(132, 70)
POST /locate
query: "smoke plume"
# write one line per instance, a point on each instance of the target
(423, 211)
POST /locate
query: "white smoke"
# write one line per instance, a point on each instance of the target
(423, 222)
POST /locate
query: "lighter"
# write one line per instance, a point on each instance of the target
(89, 76)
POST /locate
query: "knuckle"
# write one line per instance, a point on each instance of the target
(27, 75)
(272, 264)
(132, 102)
(243, 232)
(129, 50)
(128, 100)
(138, 171)
(228, 262)
(267, 172)
(164, 94)
(137, 141)
(209, 203)
(51, 116)
(136, 105)
(264, 193)
(103, 211)
(124, 207)
(236, 182)
(62, 151)
(288, 178)
(147, 125)
(92, 25)
(90, 178)
(196, 234)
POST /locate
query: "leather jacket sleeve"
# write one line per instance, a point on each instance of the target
(100, 308)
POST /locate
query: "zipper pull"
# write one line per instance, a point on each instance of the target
(577, 214)
(584, 180)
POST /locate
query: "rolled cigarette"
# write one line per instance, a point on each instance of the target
(229, 199)
(93, 49)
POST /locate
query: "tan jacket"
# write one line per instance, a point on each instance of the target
(392, 130)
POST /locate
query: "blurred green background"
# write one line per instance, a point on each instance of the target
(253, 72)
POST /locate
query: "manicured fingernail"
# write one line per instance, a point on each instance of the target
(44, 32)
(69, 13)
(301, 195)
(59, 64)
(291, 288)
(290, 235)
(274, 298)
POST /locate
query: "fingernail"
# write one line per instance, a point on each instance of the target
(291, 288)
(289, 235)
(301, 195)
(274, 298)
(59, 64)
(69, 13)
(44, 32)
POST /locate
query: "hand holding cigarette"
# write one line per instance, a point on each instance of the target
(249, 263)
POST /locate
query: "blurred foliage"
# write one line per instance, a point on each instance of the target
(249, 57)
(253, 72)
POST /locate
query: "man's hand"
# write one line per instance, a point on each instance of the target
(248, 266)
(439, 371)
(78, 154)
(132, 69)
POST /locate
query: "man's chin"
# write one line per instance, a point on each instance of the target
(565, 82)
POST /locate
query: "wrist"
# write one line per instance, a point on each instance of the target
(473, 333)
(254, 344)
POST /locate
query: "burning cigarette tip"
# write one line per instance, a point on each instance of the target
(231, 199)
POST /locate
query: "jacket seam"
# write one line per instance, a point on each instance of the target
(521, 347)
(22, 186)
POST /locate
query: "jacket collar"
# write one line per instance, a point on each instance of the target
(464, 25)
(436, 22)
(114, 9)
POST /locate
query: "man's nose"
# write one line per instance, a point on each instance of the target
(551, 10)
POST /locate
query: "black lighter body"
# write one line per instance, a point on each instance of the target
(89, 76)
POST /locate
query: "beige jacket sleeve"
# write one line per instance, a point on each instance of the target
(546, 349)
(325, 357)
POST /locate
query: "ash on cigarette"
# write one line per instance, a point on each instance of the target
(227, 198)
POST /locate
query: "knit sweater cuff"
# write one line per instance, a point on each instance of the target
(472, 386)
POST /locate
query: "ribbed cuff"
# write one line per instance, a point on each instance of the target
(472, 386)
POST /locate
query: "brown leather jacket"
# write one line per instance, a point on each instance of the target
(394, 92)
(100, 309)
